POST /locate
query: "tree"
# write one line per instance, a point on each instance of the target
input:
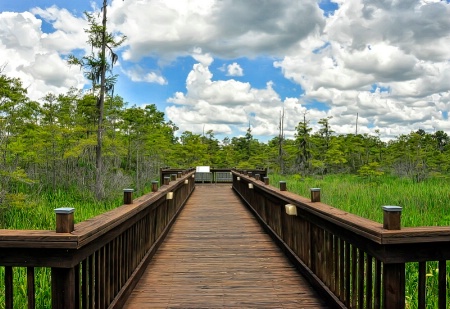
(192, 151)
(280, 142)
(17, 120)
(96, 67)
(302, 139)
(212, 148)
(326, 132)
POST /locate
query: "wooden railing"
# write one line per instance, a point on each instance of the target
(216, 174)
(100, 261)
(354, 262)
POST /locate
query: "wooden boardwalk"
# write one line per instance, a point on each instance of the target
(217, 256)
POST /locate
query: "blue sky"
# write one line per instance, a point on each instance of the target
(222, 64)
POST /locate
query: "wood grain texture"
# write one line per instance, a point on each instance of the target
(217, 256)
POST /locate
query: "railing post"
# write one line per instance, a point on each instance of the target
(63, 288)
(391, 217)
(64, 220)
(394, 286)
(154, 186)
(63, 279)
(282, 185)
(315, 195)
(128, 196)
(393, 274)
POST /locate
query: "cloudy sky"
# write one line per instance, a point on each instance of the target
(222, 64)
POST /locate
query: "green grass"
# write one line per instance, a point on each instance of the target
(424, 204)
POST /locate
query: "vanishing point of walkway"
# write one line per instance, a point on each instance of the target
(217, 256)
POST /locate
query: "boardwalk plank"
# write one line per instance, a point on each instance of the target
(217, 256)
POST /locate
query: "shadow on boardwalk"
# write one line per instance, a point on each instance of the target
(217, 256)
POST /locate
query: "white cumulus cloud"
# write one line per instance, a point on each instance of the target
(26, 55)
(235, 69)
(138, 74)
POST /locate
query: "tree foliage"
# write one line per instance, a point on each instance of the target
(51, 145)
(96, 68)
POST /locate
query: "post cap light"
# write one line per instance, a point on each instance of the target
(390, 208)
(291, 210)
(64, 210)
(250, 186)
(169, 196)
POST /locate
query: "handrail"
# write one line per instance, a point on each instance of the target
(168, 172)
(353, 261)
(98, 264)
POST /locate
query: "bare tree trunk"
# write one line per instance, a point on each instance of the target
(280, 142)
(99, 190)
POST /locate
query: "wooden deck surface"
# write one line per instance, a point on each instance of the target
(217, 256)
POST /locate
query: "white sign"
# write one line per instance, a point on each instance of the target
(202, 169)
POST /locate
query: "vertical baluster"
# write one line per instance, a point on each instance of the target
(103, 277)
(320, 262)
(313, 248)
(347, 274)
(84, 283)
(369, 286)
(108, 284)
(330, 262)
(361, 278)
(112, 270)
(442, 284)
(354, 276)
(116, 268)
(422, 285)
(31, 290)
(97, 279)
(139, 238)
(77, 286)
(91, 273)
(342, 270)
(120, 263)
(129, 252)
(377, 290)
(8, 287)
(337, 278)
(132, 248)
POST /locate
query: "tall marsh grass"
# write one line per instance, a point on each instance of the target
(424, 204)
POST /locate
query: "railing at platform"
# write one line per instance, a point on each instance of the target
(95, 263)
(215, 175)
(354, 262)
